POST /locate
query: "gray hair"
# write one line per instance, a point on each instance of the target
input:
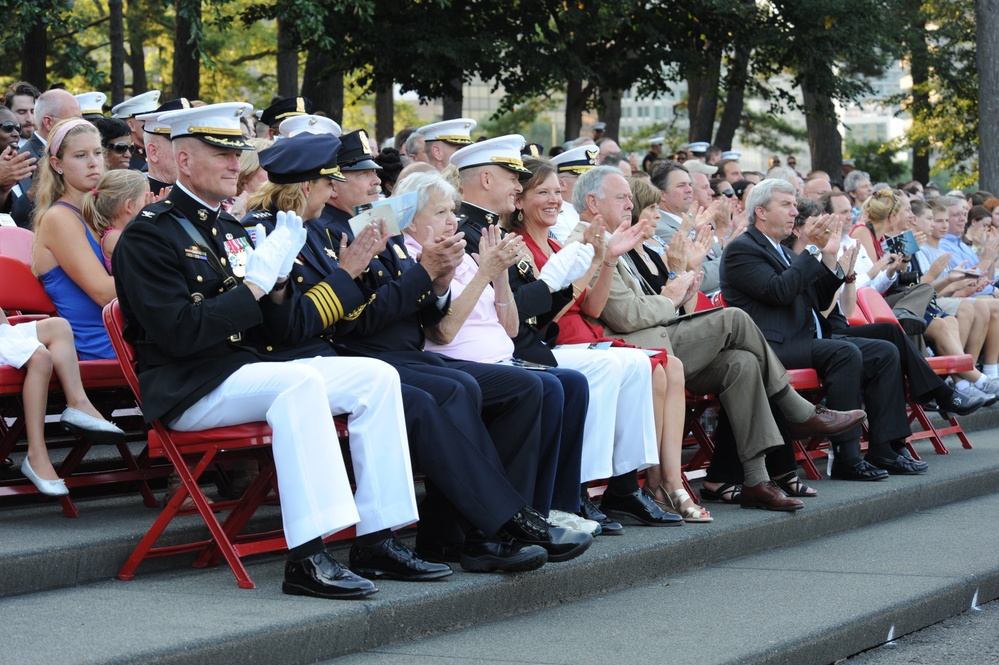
(412, 143)
(425, 185)
(948, 201)
(763, 194)
(783, 173)
(853, 179)
(591, 182)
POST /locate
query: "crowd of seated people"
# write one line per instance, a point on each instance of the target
(515, 328)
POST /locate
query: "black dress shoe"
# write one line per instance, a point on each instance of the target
(436, 550)
(528, 526)
(640, 507)
(392, 560)
(961, 404)
(861, 470)
(900, 465)
(322, 576)
(588, 510)
(481, 554)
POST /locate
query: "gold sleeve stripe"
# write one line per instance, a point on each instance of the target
(327, 303)
(357, 312)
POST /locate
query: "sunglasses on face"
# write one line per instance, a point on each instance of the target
(727, 192)
(120, 148)
(10, 127)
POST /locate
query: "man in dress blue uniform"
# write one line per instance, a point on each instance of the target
(204, 313)
(442, 139)
(161, 167)
(127, 111)
(408, 296)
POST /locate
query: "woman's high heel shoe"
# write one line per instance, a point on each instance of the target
(46, 487)
(694, 513)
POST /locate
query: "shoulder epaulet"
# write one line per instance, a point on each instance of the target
(154, 210)
(261, 214)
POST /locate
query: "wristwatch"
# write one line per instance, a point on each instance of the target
(670, 275)
(815, 252)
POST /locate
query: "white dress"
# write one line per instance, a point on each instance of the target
(18, 343)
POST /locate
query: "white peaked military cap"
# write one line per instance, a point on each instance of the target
(309, 124)
(731, 154)
(147, 102)
(577, 160)
(501, 151)
(91, 103)
(215, 124)
(657, 140)
(456, 132)
(700, 147)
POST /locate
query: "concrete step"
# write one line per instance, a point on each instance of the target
(179, 615)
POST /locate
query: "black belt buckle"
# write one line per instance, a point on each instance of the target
(237, 338)
(230, 283)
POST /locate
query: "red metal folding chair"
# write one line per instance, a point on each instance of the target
(103, 380)
(877, 310)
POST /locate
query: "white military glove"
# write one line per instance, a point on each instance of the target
(287, 219)
(264, 263)
(567, 265)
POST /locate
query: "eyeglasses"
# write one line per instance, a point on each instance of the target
(727, 192)
(9, 127)
(121, 147)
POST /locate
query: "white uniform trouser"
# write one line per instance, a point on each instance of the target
(297, 399)
(619, 434)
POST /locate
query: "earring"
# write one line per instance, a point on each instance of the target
(520, 215)
(59, 171)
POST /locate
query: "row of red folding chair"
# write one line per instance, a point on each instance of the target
(875, 309)
(105, 384)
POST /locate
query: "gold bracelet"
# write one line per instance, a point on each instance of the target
(609, 265)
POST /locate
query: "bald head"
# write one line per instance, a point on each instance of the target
(52, 107)
(816, 188)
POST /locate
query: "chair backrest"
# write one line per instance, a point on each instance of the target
(718, 300)
(874, 306)
(21, 289)
(17, 243)
(115, 324)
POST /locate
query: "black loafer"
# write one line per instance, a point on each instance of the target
(391, 559)
(961, 404)
(506, 555)
(528, 526)
(900, 465)
(639, 507)
(322, 576)
(588, 510)
(862, 470)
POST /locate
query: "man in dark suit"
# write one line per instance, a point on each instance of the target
(786, 294)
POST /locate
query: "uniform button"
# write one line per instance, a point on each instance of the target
(200, 278)
(215, 231)
(380, 273)
(300, 279)
(222, 261)
(270, 348)
(399, 274)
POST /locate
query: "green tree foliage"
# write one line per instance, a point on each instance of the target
(878, 159)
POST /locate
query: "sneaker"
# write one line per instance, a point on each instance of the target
(570, 521)
(987, 395)
(991, 387)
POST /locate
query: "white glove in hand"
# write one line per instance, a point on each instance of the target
(264, 262)
(566, 266)
(293, 222)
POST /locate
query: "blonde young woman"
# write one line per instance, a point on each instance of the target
(76, 279)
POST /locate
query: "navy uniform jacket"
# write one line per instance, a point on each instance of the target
(178, 315)
(138, 160)
(157, 186)
(536, 304)
(402, 302)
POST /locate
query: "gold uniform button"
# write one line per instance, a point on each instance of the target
(222, 261)
(200, 278)
(399, 274)
(380, 273)
(300, 279)
(270, 348)
(215, 231)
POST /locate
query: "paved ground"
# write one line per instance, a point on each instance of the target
(971, 638)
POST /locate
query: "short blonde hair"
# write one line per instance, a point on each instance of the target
(99, 205)
(249, 162)
(881, 205)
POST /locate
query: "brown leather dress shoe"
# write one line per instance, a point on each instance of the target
(825, 422)
(769, 497)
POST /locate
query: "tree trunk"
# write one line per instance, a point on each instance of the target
(575, 103)
(116, 34)
(919, 69)
(323, 84)
(610, 112)
(34, 65)
(987, 20)
(384, 113)
(287, 62)
(186, 59)
(735, 87)
(454, 101)
(824, 140)
(136, 54)
(703, 104)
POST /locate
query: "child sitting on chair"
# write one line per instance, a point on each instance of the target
(117, 199)
(41, 346)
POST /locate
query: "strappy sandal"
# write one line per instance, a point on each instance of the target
(694, 513)
(794, 486)
(725, 493)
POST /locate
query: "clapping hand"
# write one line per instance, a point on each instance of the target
(369, 243)
(497, 252)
